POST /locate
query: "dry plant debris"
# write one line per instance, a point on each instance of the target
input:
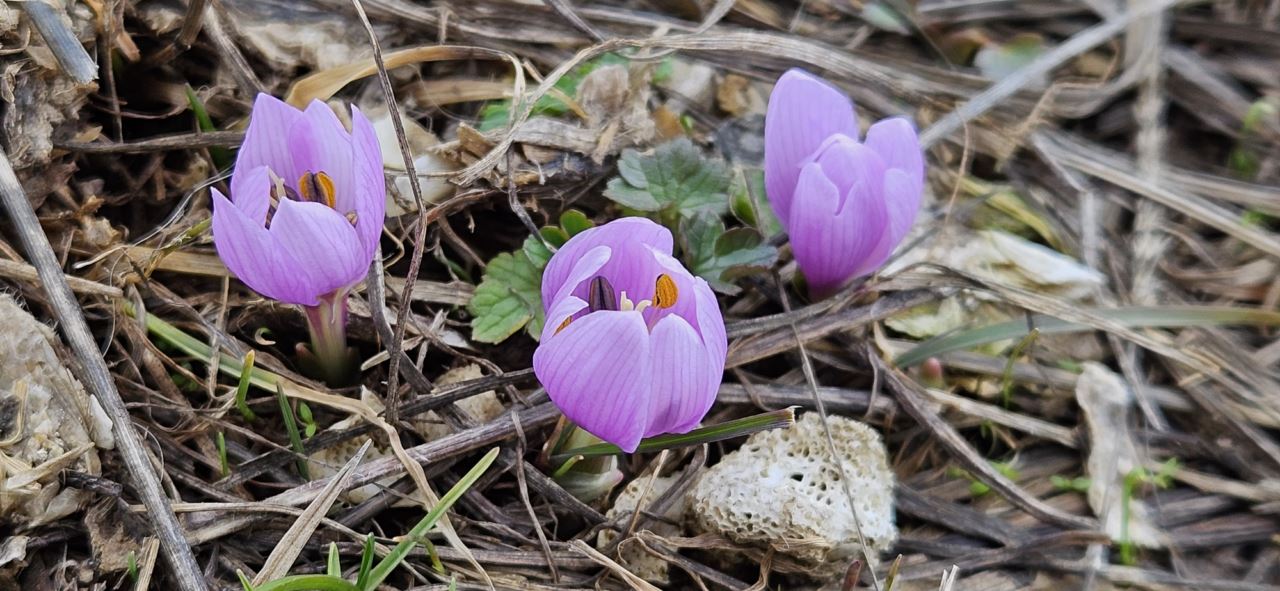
(1091, 290)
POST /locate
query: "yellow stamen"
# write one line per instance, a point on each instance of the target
(563, 325)
(317, 187)
(665, 292)
(351, 217)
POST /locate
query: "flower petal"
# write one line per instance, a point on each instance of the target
(682, 383)
(896, 142)
(264, 144)
(804, 110)
(323, 243)
(711, 326)
(685, 305)
(320, 143)
(830, 240)
(252, 255)
(847, 163)
(627, 237)
(902, 200)
(368, 196)
(563, 310)
(254, 198)
(597, 370)
(588, 266)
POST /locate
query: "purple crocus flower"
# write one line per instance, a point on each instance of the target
(306, 210)
(845, 204)
(634, 345)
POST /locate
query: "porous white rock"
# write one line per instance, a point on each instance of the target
(781, 489)
(48, 423)
(635, 558)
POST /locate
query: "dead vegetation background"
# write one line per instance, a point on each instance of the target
(1083, 156)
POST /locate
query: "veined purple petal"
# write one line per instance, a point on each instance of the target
(710, 324)
(848, 164)
(682, 378)
(264, 145)
(598, 370)
(564, 309)
(831, 240)
(254, 198)
(369, 185)
(324, 244)
(803, 112)
(252, 255)
(896, 142)
(686, 305)
(320, 143)
(585, 268)
(628, 239)
(902, 200)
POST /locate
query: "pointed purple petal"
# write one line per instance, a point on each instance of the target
(264, 144)
(252, 255)
(682, 380)
(368, 197)
(628, 239)
(831, 242)
(597, 370)
(896, 142)
(804, 110)
(322, 242)
(320, 143)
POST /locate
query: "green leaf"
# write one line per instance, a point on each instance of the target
(676, 180)
(537, 252)
(575, 222)
(508, 299)
(720, 257)
(750, 203)
(510, 295)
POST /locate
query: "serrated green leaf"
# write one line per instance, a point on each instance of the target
(627, 195)
(720, 257)
(537, 252)
(508, 299)
(675, 179)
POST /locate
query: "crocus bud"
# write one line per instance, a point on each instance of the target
(634, 345)
(845, 204)
(305, 213)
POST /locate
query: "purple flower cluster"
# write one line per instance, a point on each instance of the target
(845, 203)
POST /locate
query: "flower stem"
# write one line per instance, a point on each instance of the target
(328, 324)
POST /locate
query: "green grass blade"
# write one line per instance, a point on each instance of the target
(1129, 317)
(366, 562)
(295, 438)
(398, 554)
(242, 388)
(221, 157)
(334, 566)
(308, 583)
